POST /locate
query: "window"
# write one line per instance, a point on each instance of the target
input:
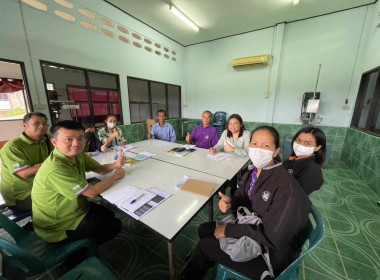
(14, 93)
(366, 115)
(79, 94)
(147, 97)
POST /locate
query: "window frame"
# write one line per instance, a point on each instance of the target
(27, 97)
(87, 87)
(154, 114)
(374, 110)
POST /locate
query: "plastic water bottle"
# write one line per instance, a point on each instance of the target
(117, 152)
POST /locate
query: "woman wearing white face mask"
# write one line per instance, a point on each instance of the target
(110, 134)
(307, 157)
(277, 199)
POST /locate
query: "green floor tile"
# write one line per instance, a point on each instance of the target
(359, 204)
(359, 271)
(147, 238)
(340, 213)
(356, 251)
(328, 244)
(154, 267)
(347, 206)
(311, 274)
(325, 262)
(183, 247)
(128, 258)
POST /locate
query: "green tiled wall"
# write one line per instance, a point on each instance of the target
(361, 152)
(335, 135)
(137, 132)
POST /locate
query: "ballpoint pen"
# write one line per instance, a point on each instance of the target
(137, 198)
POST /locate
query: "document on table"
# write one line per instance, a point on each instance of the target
(142, 156)
(181, 182)
(219, 156)
(127, 147)
(188, 146)
(134, 201)
(96, 154)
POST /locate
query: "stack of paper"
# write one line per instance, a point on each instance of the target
(134, 201)
(219, 156)
(188, 146)
(142, 156)
(127, 148)
(96, 154)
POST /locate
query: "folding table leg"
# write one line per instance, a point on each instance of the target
(171, 261)
(211, 212)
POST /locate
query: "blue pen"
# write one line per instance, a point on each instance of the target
(137, 198)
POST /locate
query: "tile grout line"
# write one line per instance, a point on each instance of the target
(369, 202)
(319, 273)
(336, 245)
(370, 244)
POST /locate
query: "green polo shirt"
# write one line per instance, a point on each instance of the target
(57, 202)
(16, 155)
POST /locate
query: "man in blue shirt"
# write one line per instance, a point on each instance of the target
(162, 130)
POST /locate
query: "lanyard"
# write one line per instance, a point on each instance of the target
(252, 185)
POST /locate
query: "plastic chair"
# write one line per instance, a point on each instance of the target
(30, 255)
(315, 238)
(90, 269)
(226, 273)
(290, 273)
(219, 122)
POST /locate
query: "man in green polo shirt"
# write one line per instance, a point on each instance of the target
(21, 158)
(61, 211)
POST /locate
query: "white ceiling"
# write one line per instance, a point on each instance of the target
(220, 18)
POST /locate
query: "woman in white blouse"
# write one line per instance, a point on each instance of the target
(235, 139)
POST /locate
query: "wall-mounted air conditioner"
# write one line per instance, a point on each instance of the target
(251, 61)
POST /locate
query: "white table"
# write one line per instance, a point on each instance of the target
(196, 160)
(171, 216)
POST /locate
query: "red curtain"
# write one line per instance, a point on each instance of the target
(10, 85)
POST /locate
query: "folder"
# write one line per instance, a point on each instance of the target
(198, 187)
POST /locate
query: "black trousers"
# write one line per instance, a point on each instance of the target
(99, 224)
(208, 253)
(22, 206)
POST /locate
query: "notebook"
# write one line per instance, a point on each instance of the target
(198, 187)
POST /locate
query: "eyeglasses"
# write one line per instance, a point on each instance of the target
(37, 124)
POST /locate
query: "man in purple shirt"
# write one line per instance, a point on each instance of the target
(205, 135)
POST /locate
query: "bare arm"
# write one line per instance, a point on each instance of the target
(31, 171)
(112, 136)
(106, 168)
(100, 187)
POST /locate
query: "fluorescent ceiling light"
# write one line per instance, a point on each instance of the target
(52, 66)
(183, 18)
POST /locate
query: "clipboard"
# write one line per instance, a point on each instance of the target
(198, 187)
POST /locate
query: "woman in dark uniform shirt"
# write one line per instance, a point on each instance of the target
(277, 199)
(307, 157)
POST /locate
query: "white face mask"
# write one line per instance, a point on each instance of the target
(300, 150)
(260, 157)
(111, 125)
